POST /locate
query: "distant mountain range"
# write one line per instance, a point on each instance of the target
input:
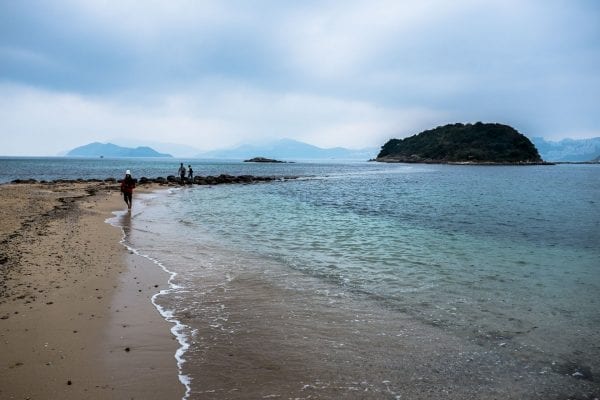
(568, 149)
(175, 149)
(288, 149)
(112, 150)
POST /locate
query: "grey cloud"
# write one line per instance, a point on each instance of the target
(532, 64)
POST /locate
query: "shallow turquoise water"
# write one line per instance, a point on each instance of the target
(506, 258)
(488, 253)
(504, 248)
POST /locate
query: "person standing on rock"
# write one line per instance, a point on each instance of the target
(127, 186)
(182, 173)
(190, 173)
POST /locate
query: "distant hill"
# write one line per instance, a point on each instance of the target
(476, 143)
(287, 149)
(112, 150)
(175, 149)
(568, 149)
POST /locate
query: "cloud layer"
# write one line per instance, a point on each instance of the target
(214, 73)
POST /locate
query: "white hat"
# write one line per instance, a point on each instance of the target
(128, 172)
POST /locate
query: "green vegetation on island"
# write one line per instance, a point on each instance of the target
(479, 143)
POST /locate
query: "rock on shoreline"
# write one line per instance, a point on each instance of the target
(170, 180)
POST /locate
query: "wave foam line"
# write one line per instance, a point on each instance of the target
(178, 328)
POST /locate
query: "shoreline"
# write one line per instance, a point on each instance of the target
(76, 317)
(274, 341)
(474, 163)
(160, 271)
(261, 329)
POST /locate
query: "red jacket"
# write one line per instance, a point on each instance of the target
(127, 185)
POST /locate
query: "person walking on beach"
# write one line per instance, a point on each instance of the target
(190, 173)
(182, 173)
(127, 186)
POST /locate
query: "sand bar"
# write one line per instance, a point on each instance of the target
(76, 322)
(76, 317)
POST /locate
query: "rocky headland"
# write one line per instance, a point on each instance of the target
(480, 143)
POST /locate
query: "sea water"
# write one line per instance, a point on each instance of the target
(497, 257)
(52, 168)
(356, 280)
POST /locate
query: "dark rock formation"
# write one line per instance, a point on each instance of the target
(263, 160)
(458, 143)
(24, 181)
(170, 180)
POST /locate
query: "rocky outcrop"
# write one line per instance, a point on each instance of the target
(172, 180)
(264, 160)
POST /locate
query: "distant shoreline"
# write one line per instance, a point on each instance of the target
(475, 163)
(487, 162)
(577, 162)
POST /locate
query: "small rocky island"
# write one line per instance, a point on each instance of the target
(264, 160)
(480, 143)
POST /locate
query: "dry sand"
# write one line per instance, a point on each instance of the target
(76, 317)
(76, 322)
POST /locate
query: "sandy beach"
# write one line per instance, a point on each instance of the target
(76, 320)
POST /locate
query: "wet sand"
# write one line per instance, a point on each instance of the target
(77, 323)
(76, 320)
(256, 338)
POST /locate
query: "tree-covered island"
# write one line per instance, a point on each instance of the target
(479, 143)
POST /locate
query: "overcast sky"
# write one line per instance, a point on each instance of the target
(212, 74)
